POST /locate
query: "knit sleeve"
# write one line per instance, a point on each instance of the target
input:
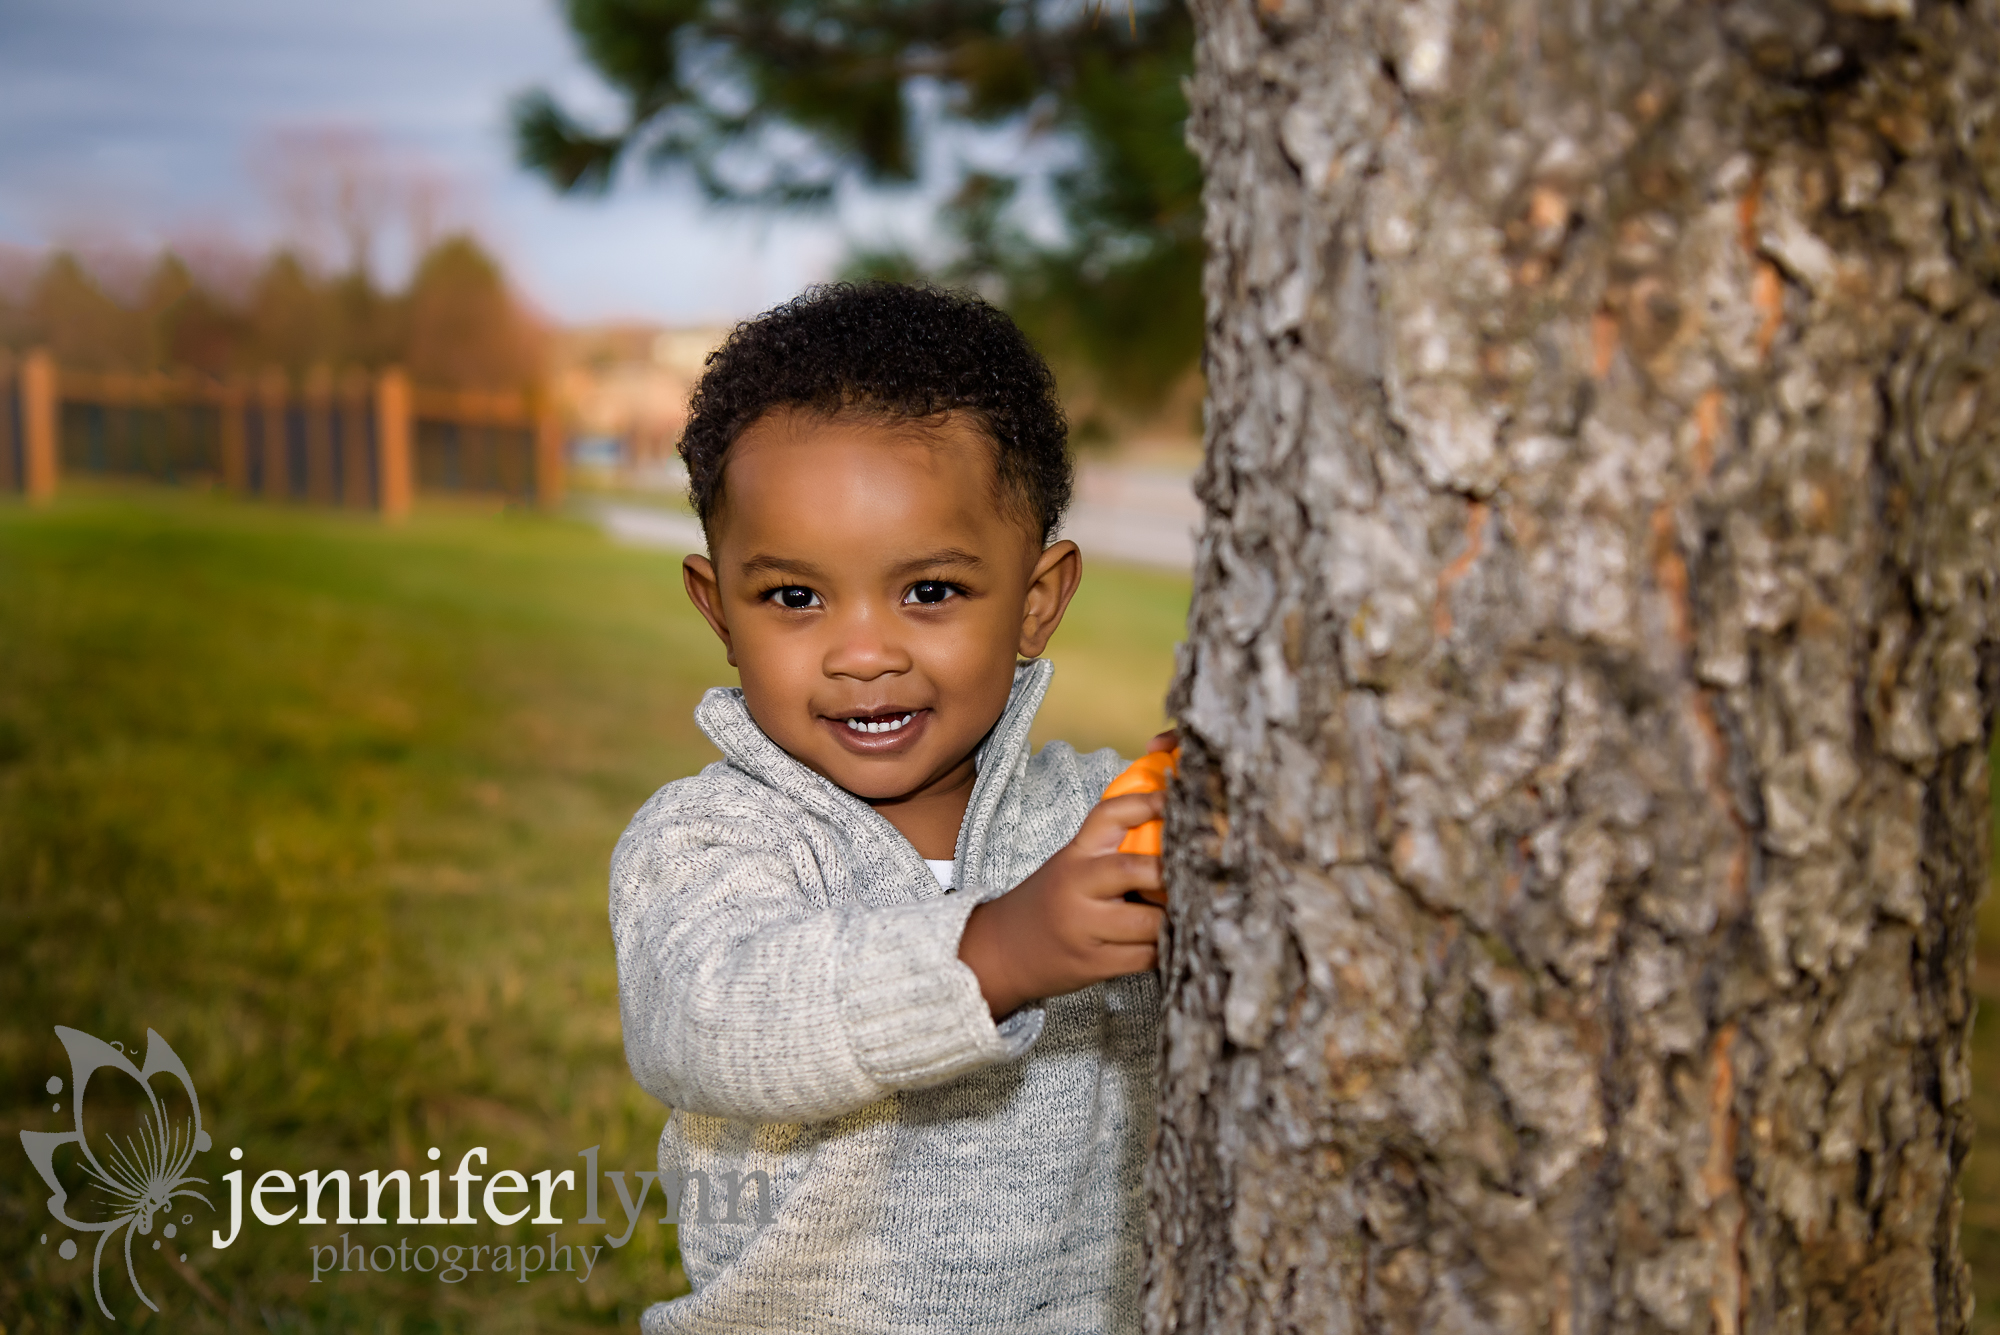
(741, 998)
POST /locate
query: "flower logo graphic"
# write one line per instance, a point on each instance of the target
(125, 1183)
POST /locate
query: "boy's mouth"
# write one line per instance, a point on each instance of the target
(879, 732)
(880, 722)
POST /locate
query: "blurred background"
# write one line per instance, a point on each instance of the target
(343, 350)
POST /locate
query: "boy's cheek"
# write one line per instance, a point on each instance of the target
(777, 705)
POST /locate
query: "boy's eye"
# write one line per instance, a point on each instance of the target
(928, 591)
(794, 596)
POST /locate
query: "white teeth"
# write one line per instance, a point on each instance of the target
(882, 725)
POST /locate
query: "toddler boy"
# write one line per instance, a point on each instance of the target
(880, 954)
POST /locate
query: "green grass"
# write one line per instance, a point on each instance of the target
(329, 806)
(1114, 655)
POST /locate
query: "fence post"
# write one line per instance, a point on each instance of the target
(39, 410)
(392, 444)
(548, 453)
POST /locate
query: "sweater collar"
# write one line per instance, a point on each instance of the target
(726, 719)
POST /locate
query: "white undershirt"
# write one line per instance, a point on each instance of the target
(940, 868)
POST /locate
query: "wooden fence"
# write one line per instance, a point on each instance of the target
(349, 439)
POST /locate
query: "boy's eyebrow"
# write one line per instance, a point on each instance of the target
(947, 556)
(778, 565)
(807, 570)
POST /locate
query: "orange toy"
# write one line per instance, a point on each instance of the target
(1147, 774)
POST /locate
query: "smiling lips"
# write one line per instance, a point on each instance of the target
(879, 731)
(887, 723)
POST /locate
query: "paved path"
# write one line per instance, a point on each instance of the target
(646, 526)
(1144, 516)
(1141, 516)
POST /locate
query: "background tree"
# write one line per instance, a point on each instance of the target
(1591, 668)
(457, 323)
(777, 102)
(288, 321)
(463, 326)
(345, 199)
(189, 325)
(72, 315)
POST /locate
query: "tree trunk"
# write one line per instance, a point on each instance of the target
(1590, 671)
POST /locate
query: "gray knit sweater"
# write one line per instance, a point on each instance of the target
(789, 977)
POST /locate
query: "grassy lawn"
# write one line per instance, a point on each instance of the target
(328, 805)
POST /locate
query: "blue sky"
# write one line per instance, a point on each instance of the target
(128, 123)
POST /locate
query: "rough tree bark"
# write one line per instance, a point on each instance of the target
(1590, 671)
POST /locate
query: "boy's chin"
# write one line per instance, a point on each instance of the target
(881, 778)
(879, 792)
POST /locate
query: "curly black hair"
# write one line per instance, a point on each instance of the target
(899, 350)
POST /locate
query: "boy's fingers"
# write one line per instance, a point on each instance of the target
(1128, 924)
(1110, 875)
(1105, 826)
(1139, 871)
(1165, 741)
(1131, 959)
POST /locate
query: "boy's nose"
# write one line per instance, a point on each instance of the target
(865, 646)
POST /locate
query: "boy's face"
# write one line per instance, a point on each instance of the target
(873, 592)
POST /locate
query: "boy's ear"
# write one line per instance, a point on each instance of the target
(1052, 584)
(698, 573)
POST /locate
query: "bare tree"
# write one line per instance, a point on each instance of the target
(341, 192)
(1591, 668)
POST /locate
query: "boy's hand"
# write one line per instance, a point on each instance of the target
(1070, 925)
